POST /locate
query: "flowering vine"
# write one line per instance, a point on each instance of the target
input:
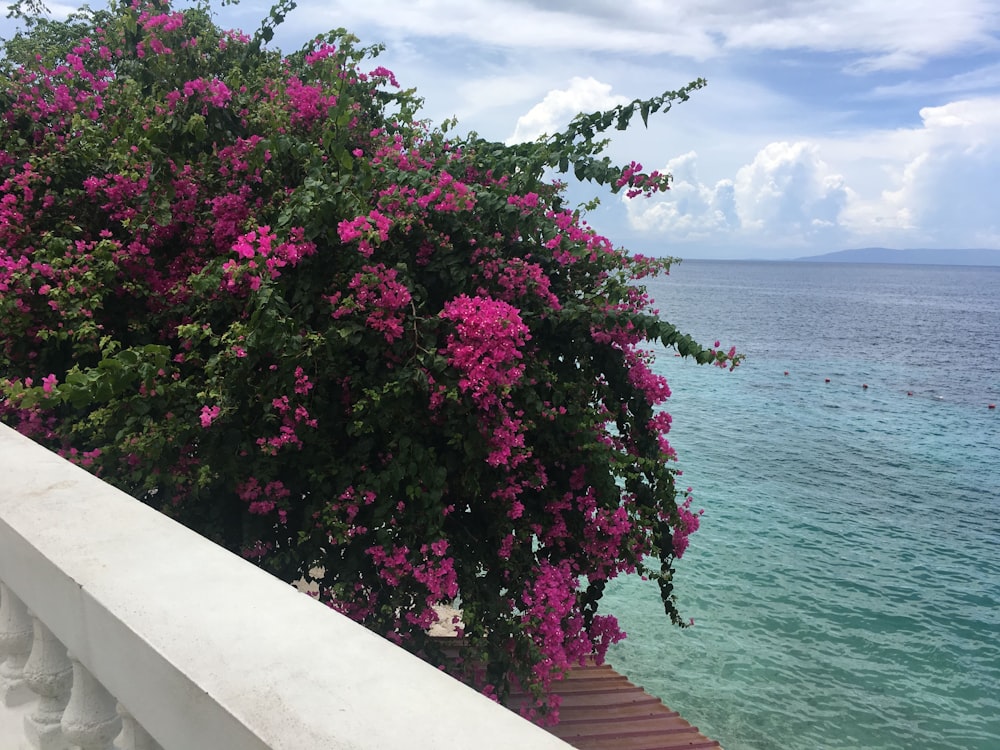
(258, 293)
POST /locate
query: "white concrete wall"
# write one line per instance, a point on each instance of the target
(206, 650)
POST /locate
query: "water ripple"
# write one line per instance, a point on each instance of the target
(846, 581)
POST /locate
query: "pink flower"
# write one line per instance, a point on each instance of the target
(209, 414)
(486, 350)
(375, 293)
(486, 345)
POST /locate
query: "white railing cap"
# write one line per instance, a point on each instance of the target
(205, 649)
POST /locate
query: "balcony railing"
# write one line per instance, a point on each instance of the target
(119, 628)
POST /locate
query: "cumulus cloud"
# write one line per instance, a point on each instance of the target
(691, 210)
(785, 195)
(787, 187)
(938, 190)
(560, 106)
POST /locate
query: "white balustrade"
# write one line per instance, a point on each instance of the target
(133, 736)
(200, 648)
(16, 635)
(49, 674)
(91, 720)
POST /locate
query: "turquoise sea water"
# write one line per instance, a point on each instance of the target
(846, 580)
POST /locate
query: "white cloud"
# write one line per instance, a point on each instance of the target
(788, 188)
(887, 35)
(978, 118)
(940, 189)
(649, 27)
(499, 90)
(560, 106)
(884, 35)
(928, 185)
(690, 210)
(786, 195)
(983, 78)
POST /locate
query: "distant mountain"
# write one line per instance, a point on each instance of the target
(926, 256)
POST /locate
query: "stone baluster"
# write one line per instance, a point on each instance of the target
(15, 644)
(133, 736)
(48, 673)
(90, 721)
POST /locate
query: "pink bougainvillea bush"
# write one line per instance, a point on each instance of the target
(257, 293)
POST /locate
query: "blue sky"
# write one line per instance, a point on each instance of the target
(827, 124)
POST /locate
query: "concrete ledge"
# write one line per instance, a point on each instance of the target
(203, 648)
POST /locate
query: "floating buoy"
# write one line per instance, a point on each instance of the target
(786, 372)
(864, 386)
(909, 393)
(826, 380)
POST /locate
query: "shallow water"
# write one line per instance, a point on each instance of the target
(846, 580)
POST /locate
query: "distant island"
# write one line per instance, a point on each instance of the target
(978, 257)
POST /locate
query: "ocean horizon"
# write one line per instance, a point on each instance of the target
(845, 583)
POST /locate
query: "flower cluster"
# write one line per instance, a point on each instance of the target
(641, 183)
(486, 347)
(377, 295)
(260, 255)
(486, 350)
